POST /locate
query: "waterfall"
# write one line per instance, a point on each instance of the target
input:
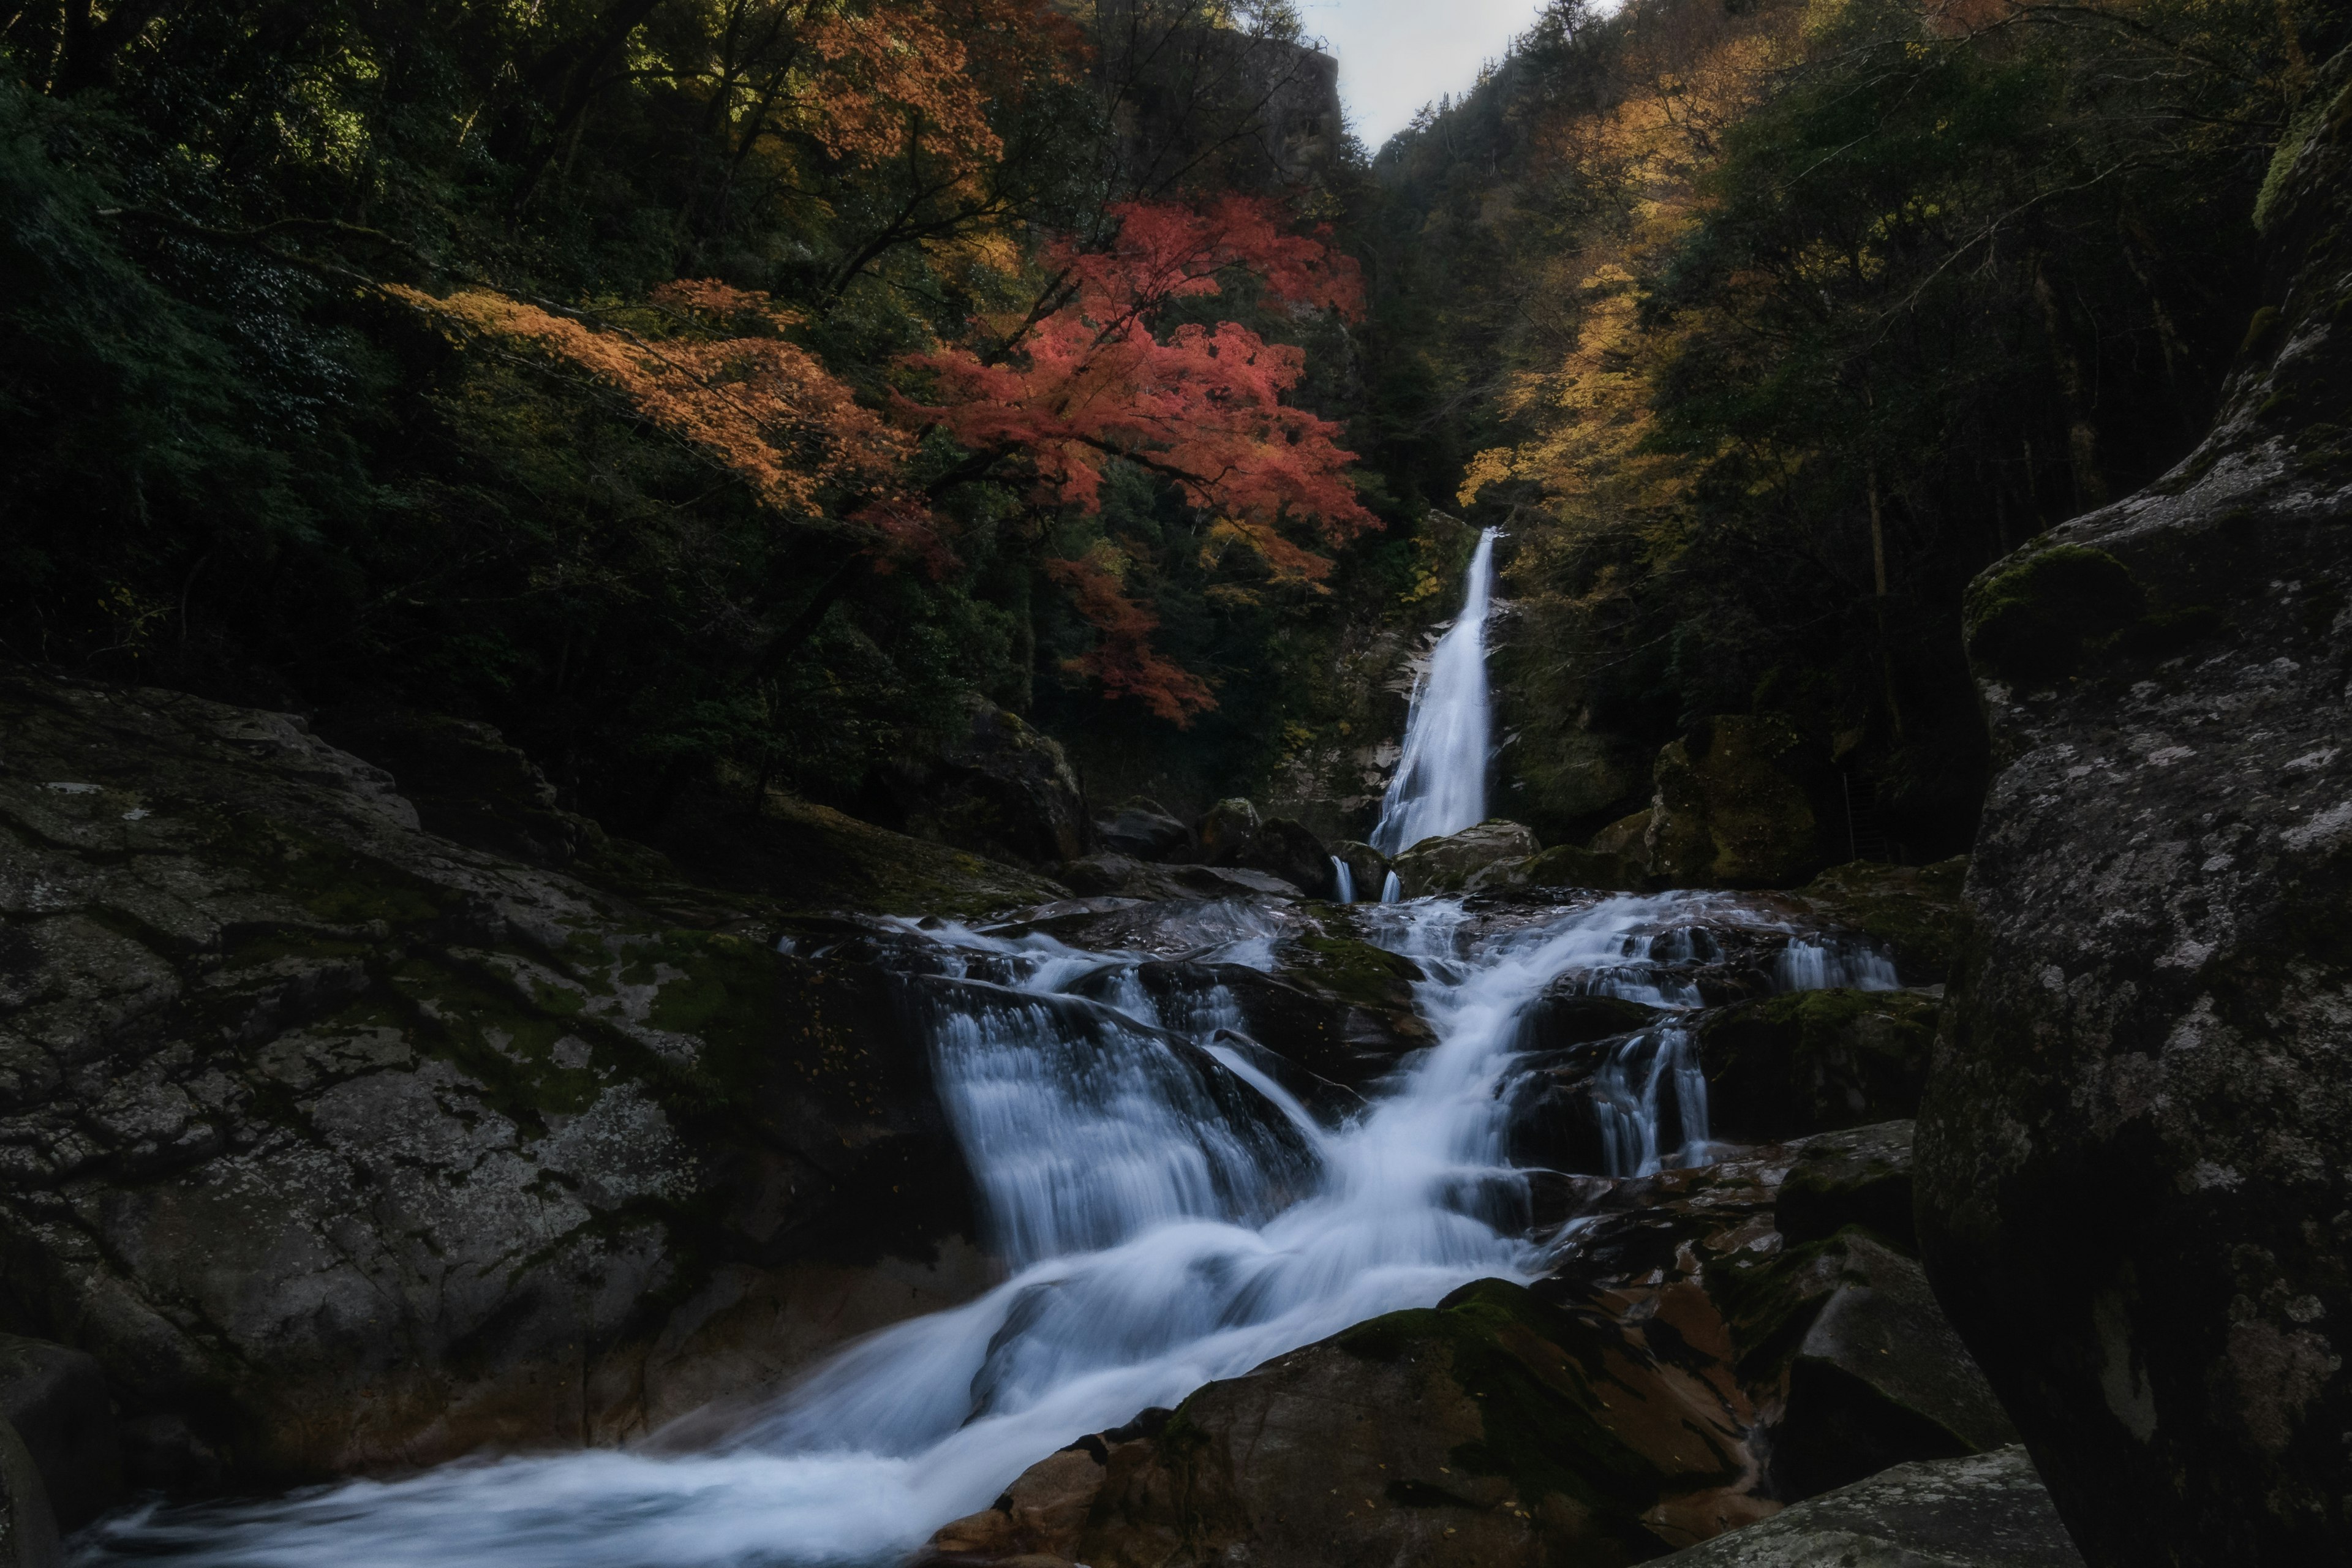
(1168, 1216)
(1392, 889)
(1440, 783)
(1343, 878)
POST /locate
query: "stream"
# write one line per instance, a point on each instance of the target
(1167, 1213)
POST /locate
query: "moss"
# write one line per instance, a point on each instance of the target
(2035, 621)
(2259, 328)
(1350, 970)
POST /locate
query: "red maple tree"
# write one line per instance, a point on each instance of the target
(1087, 380)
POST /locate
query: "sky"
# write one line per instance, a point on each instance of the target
(1397, 55)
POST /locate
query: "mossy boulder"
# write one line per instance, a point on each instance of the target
(1463, 861)
(1737, 804)
(1913, 912)
(993, 785)
(1814, 1061)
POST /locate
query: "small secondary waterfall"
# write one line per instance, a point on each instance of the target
(1343, 881)
(1169, 1214)
(1440, 783)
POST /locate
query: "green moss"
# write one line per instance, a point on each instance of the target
(2035, 622)
(1351, 969)
(2259, 328)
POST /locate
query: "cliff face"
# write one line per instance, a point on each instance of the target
(2132, 1195)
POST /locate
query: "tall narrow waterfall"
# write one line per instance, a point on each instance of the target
(1440, 785)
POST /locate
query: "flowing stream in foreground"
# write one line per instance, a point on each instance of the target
(1169, 1214)
(1170, 1217)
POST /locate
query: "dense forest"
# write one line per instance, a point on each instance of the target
(730, 389)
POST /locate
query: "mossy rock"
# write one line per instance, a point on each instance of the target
(2044, 615)
(1913, 912)
(1815, 1061)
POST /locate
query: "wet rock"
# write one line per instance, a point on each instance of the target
(1368, 866)
(28, 1531)
(1913, 912)
(1837, 1342)
(1813, 1061)
(2132, 1198)
(1454, 864)
(1143, 830)
(1227, 830)
(341, 1145)
(56, 1399)
(1984, 1510)
(1735, 807)
(1285, 847)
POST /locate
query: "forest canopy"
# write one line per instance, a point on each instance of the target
(741, 387)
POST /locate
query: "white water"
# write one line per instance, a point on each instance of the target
(1343, 880)
(1173, 1217)
(1440, 783)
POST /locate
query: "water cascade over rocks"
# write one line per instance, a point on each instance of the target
(1440, 783)
(1168, 1215)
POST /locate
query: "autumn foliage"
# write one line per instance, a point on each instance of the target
(1091, 382)
(730, 386)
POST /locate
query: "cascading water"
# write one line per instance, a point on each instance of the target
(1440, 783)
(1343, 881)
(1171, 1215)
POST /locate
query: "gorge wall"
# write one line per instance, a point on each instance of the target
(2132, 1198)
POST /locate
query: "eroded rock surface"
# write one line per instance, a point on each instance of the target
(340, 1145)
(2134, 1199)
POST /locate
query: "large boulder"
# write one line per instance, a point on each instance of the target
(1489, 852)
(1736, 806)
(1227, 830)
(2133, 1198)
(1367, 866)
(1144, 831)
(1983, 1511)
(342, 1146)
(998, 788)
(1286, 848)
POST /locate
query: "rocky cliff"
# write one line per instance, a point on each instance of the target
(343, 1145)
(2133, 1199)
